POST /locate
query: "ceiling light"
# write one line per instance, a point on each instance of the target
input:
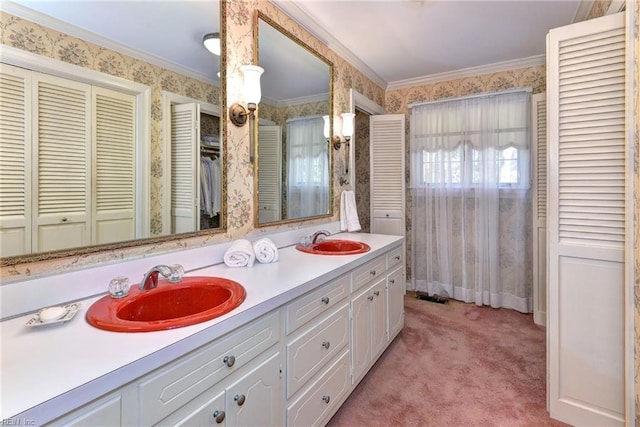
(212, 42)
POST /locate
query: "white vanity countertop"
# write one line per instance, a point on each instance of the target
(47, 371)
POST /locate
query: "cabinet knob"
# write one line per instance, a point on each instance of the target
(397, 257)
(370, 297)
(392, 281)
(218, 416)
(229, 360)
(326, 344)
(239, 399)
(325, 300)
(64, 219)
(377, 293)
(326, 398)
(372, 272)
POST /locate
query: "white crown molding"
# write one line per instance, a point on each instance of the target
(65, 28)
(583, 10)
(302, 17)
(469, 72)
(295, 101)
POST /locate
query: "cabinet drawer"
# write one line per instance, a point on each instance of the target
(395, 257)
(172, 386)
(320, 399)
(363, 275)
(308, 353)
(315, 303)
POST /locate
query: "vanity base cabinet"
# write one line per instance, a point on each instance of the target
(322, 397)
(106, 411)
(368, 327)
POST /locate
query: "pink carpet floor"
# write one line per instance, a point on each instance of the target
(455, 365)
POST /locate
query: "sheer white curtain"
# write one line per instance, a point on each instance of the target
(471, 211)
(307, 167)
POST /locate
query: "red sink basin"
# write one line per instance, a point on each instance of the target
(335, 247)
(168, 306)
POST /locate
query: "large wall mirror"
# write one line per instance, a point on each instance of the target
(294, 160)
(118, 141)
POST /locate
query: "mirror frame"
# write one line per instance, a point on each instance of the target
(259, 15)
(85, 250)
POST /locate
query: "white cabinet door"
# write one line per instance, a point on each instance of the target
(62, 170)
(539, 191)
(395, 296)
(185, 168)
(387, 174)
(256, 398)
(586, 211)
(378, 320)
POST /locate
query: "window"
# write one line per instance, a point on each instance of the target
(470, 143)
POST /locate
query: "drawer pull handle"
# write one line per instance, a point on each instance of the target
(397, 257)
(326, 344)
(239, 398)
(392, 281)
(370, 297)
(326, 398)
(325, 300)
(218, 416)
(229, 360)
(372, 272)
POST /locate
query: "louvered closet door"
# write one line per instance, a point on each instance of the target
(586, 103)
(539, 191)
(185, 168)
(270, 167)
(114, 162)
(61, 173)
(15, 161)
(387, 174)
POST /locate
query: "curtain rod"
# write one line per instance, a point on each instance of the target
(477, 95)
(295, 119)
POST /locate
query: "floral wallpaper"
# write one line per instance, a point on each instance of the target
(362, 160)
(26, 35)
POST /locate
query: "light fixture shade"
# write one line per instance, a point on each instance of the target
(212, 42)
(347, 124)
(252, 92)
(327, 126)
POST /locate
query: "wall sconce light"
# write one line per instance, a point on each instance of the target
(238, 114)
(212, 42)
(343, 137)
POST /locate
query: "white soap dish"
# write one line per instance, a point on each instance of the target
(54, 315)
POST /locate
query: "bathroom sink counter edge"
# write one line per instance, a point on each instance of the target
(46, 371)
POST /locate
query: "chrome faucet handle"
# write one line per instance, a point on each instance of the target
(320, 236)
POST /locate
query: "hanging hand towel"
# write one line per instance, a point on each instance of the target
(265, 250)
(240, 254)
(348, 212)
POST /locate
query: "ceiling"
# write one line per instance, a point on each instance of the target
(393, 42)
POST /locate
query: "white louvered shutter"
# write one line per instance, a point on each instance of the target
(61, 172)
(539, 191)
(586, 210)
(270, 170)
(114, 139)
(185, 168)
(387, 174)
(15, 161)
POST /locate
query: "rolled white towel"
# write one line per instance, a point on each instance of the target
(240, 254)
(266, 251)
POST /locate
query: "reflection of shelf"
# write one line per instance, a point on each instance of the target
(209, 150)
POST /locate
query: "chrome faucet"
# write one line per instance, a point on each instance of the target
(317, 235)
(150, 279)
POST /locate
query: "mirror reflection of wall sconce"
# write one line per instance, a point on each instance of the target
(252, 94)
(212, 42)
(346, 124)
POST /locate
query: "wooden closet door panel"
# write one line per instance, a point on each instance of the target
(61, 178)
(15, 161)
(586, 210)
